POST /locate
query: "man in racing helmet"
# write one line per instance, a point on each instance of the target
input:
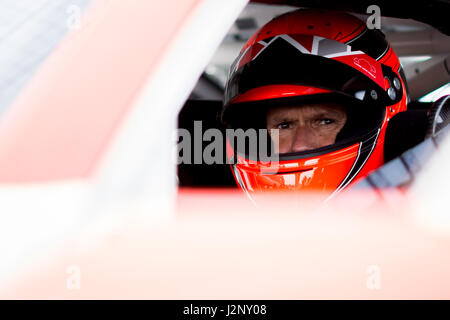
(328, 85)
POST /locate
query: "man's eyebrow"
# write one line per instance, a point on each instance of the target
(281, 118)
(329, 112)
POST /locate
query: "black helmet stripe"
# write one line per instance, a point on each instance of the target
(371, 42)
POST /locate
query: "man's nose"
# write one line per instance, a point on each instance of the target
(304, 139)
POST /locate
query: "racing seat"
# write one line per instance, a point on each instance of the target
(416, 134)
(406, 130)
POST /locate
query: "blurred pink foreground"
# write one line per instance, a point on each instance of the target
(212, 244)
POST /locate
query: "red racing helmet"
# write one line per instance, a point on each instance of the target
(314, 56)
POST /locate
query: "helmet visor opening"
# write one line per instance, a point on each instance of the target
(304, 126)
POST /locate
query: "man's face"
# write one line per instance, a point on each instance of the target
(306, 127)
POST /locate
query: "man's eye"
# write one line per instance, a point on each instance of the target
(284, 125)
(326, 121)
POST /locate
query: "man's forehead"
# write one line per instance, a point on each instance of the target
(313, 108)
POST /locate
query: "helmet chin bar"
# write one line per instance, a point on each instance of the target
(365, 151)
